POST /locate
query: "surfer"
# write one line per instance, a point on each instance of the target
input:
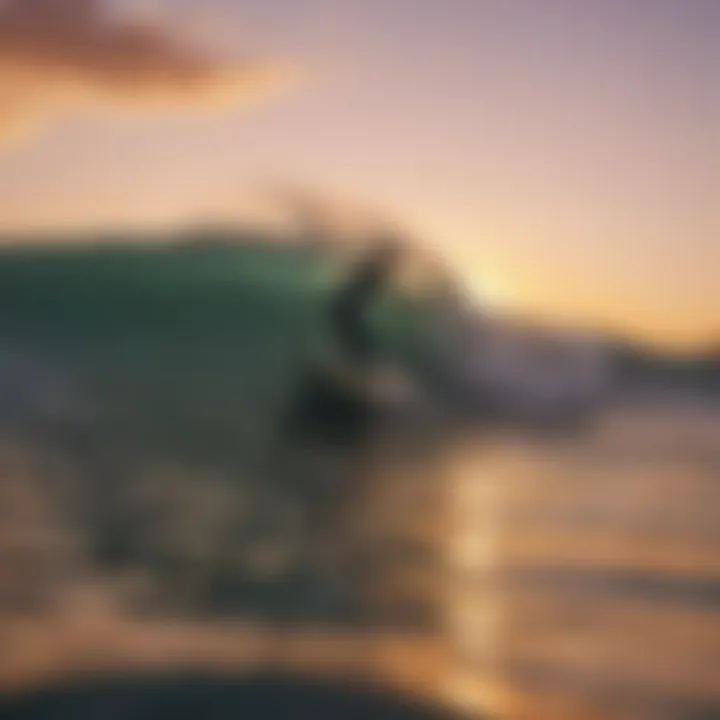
(337, 401)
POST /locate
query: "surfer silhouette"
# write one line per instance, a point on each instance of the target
(336, 405)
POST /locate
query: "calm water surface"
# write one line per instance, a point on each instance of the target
(587, 572)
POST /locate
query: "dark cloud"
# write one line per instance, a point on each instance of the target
(59, 54)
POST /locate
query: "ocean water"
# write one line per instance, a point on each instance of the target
(149, 518)
(587, 580)
(578, 578)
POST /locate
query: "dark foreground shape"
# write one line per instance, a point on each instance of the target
(206, 698)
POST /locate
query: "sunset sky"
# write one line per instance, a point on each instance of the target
(566, 152)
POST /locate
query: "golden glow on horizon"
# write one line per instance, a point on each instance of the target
(565, 307)
(495, 291)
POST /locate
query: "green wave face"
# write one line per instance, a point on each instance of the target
(158, 373)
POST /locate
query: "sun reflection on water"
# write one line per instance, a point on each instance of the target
(473, 618)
